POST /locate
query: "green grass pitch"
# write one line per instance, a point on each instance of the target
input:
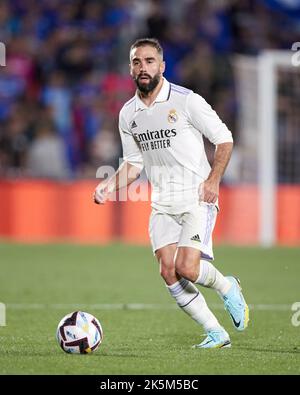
(39, 284)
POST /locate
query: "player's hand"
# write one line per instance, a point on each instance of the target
(101, 194)
(209, 191)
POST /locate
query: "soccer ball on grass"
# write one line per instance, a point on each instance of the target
(79, 333)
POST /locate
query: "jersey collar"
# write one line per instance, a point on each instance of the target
(163, 95)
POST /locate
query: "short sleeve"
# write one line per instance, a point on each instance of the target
(206, 120)
(131, 151)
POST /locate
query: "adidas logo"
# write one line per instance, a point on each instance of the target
(133, 125)
(196, 238)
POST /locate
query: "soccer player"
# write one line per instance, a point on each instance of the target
(161, 129)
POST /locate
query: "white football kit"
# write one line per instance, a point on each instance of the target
(166, 139)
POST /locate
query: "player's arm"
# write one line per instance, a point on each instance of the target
(124, 176)
(205, 119)
(128, 171)
(209, 190)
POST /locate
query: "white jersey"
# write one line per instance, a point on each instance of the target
(166, 139)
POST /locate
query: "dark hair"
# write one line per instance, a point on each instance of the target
(153, 42)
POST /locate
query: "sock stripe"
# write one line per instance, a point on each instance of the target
(183, 282)
(175, 290)
(179, 287)
(189, 301)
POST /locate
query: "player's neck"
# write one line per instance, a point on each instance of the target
(149, 98)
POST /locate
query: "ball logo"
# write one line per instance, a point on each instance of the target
(172, 117)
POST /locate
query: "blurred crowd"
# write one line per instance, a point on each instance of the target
(66, 75)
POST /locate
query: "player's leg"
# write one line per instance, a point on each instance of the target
(164, 233)
(165, 257)
(195, 249)
(187, 264)
(186, 295)
(193, 262)
(200, 271)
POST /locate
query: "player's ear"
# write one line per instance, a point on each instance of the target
(162, 67)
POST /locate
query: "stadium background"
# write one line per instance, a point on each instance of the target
(65, 80)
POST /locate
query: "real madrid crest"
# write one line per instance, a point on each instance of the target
(172, 117)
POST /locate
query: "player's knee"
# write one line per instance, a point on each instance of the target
(186, 269)
(167, 272)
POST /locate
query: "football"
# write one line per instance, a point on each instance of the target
(79, 333)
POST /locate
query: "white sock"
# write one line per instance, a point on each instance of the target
(192, 302)
(210, 277)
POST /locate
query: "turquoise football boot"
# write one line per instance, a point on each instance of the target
(217, 338)
(236, 305)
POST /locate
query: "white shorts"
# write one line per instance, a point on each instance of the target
(190, 229)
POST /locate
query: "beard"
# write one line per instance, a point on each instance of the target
(146, 88)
